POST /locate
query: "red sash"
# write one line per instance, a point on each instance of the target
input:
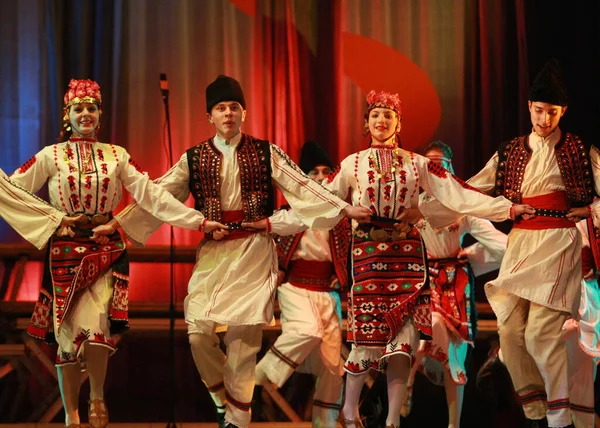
(556, 201)
(311, 274)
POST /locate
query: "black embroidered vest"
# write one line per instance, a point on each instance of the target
(254, 162)
(573, 158)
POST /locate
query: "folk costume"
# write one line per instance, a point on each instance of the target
(234, 279)
(84, 292)
(452, 292)
(539, 282)
(582, 334)
(31, 217)
(387, 304)
(315, 266)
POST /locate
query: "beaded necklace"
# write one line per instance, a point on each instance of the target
(384, 162)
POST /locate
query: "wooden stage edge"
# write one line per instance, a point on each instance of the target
(164, 424)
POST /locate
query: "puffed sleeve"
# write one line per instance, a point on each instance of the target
(30, 216)
(155, 198)
(286, 222)
(455, 198)
(315, 206)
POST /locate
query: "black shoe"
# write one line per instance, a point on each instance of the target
(230, 425)
(221, 419)
(490, 366)
(536, 423)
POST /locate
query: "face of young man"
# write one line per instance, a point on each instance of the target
(319, 173)
(227, 116)
(545, 117)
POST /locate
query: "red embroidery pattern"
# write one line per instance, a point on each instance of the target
(402, 177)
(135, 165)
(75, 200)
(23, 168)
(332, 176)
(88, 201)
(105, 182)
(387, 210)
(100, 155)
(437, 170)
(371, 193)
(88, 182)
(71, 181)
(371, 175)
(103, 203)
(60, 192)
(403, 193)
(104, 168)
(387, 192)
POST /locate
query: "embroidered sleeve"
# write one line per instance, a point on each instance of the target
(137, 223)
(30, 216)
(313, 204)
(155, 199)
(457, 196)
(337, 182)
(485, 179)
(34, 173)
(286, 222)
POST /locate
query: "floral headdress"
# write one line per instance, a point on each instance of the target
(385, 100)
(83, 91)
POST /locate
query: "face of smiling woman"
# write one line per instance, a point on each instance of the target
(383, 122)
(84, 119)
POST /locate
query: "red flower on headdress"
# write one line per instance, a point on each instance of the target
(384, 99)
(84, 90)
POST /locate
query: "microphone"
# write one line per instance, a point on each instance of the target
(164, 85)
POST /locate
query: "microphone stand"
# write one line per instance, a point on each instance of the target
(172, 313)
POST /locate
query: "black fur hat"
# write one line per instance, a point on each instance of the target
(549, 86)
(312, 155)
(224, 88)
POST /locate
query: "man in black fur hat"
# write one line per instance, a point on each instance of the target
(540, 278)
(232, 177)
(312, 264)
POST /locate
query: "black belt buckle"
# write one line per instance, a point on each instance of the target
(235, 226)
(545, 212)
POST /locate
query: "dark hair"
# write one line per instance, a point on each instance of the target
(440, 146)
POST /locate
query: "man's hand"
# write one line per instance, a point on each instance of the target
(410, 215)
(209, 226)
(258, 224)
(576, 214)
(462, 256)
(220, 234)
(525, 211)
(360, 214)
(280, 277)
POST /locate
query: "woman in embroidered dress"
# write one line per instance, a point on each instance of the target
(86, 278)
(387, 305)
(452, 270)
